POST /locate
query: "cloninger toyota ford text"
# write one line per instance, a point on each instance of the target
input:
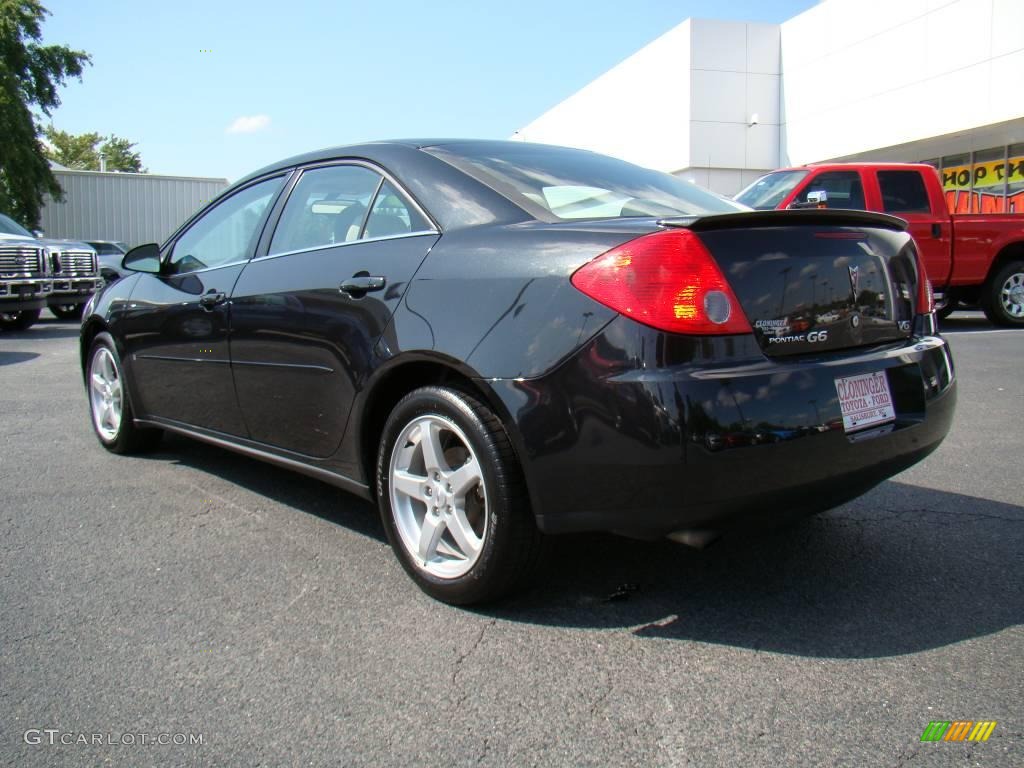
(499, 341)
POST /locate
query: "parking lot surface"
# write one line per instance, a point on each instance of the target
(197, 592)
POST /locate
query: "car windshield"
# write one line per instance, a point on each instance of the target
(767, 192)
(561, 183)
(9, 226)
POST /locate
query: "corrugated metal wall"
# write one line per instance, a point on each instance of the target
(134, 208)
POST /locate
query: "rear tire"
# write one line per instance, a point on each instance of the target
(1002, 298)
(67, 311)
(19, 321)
(109, 408)
(453, 499)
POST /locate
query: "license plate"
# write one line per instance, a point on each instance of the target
(865, 400)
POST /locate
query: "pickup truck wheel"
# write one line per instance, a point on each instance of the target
(19, 321)
(67, 311)
(109, 407)
(1003, 298)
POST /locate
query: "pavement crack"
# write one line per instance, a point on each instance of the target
(601, 698)
(457, 670)
(906, 757)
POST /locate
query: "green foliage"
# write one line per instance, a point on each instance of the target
(83, 151)
(119, 155)
(78, 152)
(30, 74)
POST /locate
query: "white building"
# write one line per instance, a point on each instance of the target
(722, 102)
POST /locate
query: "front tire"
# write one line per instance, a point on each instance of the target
(109, 408)
(67, 311)
(453, 498)
(1003, 296)
(19, 321)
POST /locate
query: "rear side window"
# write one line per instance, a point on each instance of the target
(844, 189)
(392, 215)
(328, 206)
(903, 192)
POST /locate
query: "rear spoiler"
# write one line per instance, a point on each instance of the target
(813, 216)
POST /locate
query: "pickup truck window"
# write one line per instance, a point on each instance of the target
(903, 192)
(843, 187)
(770, 190)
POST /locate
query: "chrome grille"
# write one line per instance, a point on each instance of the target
(77, 263)
(20, 260)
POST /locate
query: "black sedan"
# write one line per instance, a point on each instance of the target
(498, 341)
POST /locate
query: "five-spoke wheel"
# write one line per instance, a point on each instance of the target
(452, 498)
(438, 496)
(109, 404)
(105, 393)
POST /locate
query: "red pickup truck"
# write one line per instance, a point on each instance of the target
(969, 258)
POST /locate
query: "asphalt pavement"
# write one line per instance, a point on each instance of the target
(198, 595)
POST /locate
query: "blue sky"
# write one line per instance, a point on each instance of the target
(221, 87)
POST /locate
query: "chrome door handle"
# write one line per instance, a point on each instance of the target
(211, 299)
(357, 285)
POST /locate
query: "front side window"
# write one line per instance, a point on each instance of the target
(903, 192)
(844, 189)
(767, 192)
(328, 206)
(226, 234)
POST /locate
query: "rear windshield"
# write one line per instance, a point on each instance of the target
(562, 183)
(767, 192)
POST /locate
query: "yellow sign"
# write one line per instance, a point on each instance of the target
(982, 175)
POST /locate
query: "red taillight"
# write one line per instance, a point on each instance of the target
(667, 280)
(925, 295)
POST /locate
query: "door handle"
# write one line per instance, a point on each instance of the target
(212, 298)
(357, 285)
(937, 231)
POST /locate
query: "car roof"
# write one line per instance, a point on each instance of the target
(375, 149)
(847, 166)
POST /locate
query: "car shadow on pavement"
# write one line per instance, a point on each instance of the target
(901, 570)
(47, 328)
(282, 485)
(967, 322)
(11, 358)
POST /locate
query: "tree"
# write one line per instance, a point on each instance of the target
(83, 151)
(30, 74)
(72, 151)
(119, 155)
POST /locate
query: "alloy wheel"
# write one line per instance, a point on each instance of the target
(438, 496)
(105, 394)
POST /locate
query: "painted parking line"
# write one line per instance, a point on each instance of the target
(976, 333)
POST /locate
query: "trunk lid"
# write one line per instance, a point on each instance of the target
(816, 280)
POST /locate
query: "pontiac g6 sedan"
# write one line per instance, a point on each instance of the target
(499, 341)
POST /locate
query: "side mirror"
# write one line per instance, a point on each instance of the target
(143, 258)
(815, 199)
(38, 233)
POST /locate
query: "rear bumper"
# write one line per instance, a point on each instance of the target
(647, 434)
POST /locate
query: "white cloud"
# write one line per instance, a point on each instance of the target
(248, 124)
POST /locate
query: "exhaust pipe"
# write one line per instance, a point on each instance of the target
(694, 537)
